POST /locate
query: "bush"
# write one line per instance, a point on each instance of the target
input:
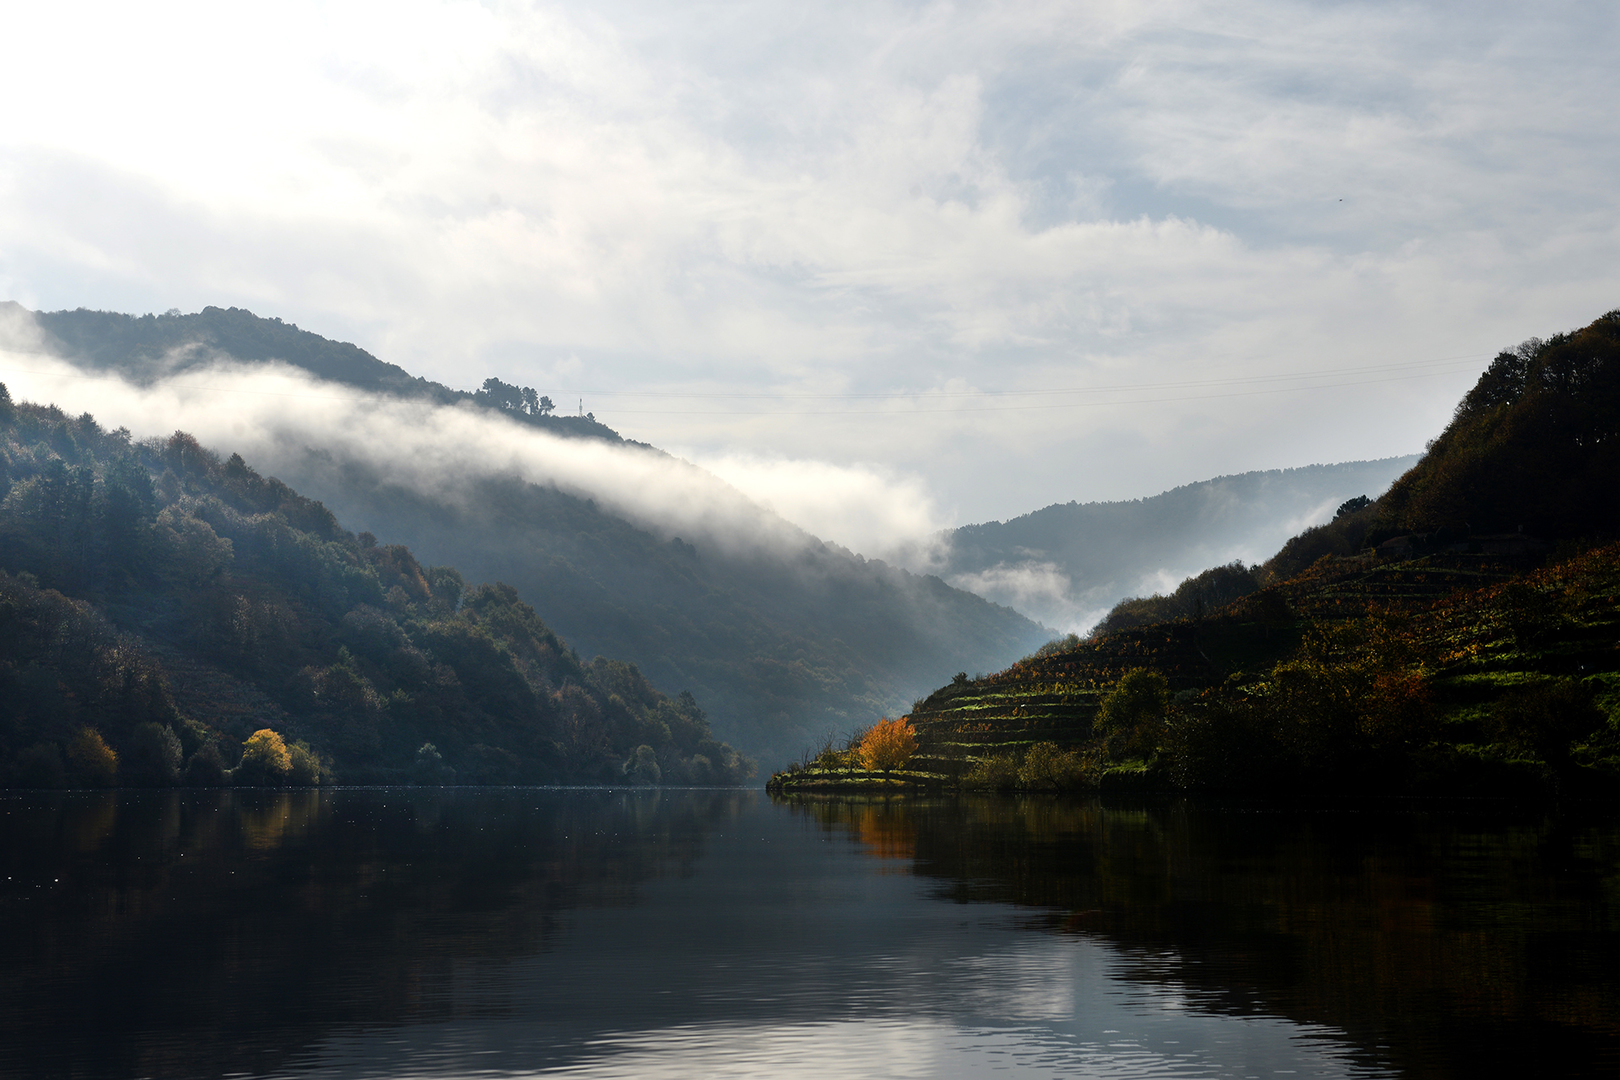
(1222, 745)
(1046, 767)
(430, 769)
(306, 769)
(1546, 721)
(642, 768)
(206, 768)
(998, 772)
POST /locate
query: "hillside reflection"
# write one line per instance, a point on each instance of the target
(1465, 941)
(401, 932)
(201, 933)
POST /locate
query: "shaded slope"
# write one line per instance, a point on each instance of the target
(1535, 445)
(781, 647)
(174, 603)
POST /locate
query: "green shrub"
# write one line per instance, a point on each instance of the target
(1046, 767)
(998, 772)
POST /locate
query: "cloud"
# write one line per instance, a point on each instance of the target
(278, 418)
(721, 217)
(1028, 586)
(274, 414)
(864, 508)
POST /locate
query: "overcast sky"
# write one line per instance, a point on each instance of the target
(916, 245)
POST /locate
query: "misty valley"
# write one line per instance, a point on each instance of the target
(352, 724)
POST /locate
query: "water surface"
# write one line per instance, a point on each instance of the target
(524, 932)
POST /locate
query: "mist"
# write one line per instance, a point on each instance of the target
(865, 508)
(283, 422)
(1067, 565)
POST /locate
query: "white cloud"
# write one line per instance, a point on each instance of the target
(863, 508)
(1028, 586)
(880, 199)
(276, 415)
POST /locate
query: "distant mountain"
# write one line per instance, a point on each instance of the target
(782, 638)
(1068, 564)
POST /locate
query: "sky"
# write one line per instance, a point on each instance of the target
(976, 258)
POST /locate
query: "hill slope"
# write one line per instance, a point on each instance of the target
(783, 638)
(158, 606)
(1408, 646)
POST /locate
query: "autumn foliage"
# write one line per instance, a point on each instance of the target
(265, 759)
(888, 745)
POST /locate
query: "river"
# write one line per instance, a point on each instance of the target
(719, 933)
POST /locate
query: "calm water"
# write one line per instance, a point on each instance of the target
(655, 934)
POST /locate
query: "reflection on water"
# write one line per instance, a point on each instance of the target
(715, 933)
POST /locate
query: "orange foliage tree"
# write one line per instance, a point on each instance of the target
(888, 745)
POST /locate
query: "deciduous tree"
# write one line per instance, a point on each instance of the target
(888, 745)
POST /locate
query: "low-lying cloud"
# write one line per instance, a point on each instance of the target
(864, 508)
(284, 422)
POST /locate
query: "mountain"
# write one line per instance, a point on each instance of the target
(147, 349)
(1533, 447)
(1458, 635)
(623, 550)
(165, 614)
(1067, 564)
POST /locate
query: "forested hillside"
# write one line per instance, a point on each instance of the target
(169, 616)
(782, 642)
(1459, 635)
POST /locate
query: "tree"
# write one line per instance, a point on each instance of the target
(1350, 506)
(888, 745)
(153, 756)
(93, 762)
(642, 768)
(306, 767)
(265, 760)
(1131, 719)
(430, 769)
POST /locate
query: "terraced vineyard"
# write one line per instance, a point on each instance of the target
(1480, 630)
(1048, 699)
(1055, 698)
